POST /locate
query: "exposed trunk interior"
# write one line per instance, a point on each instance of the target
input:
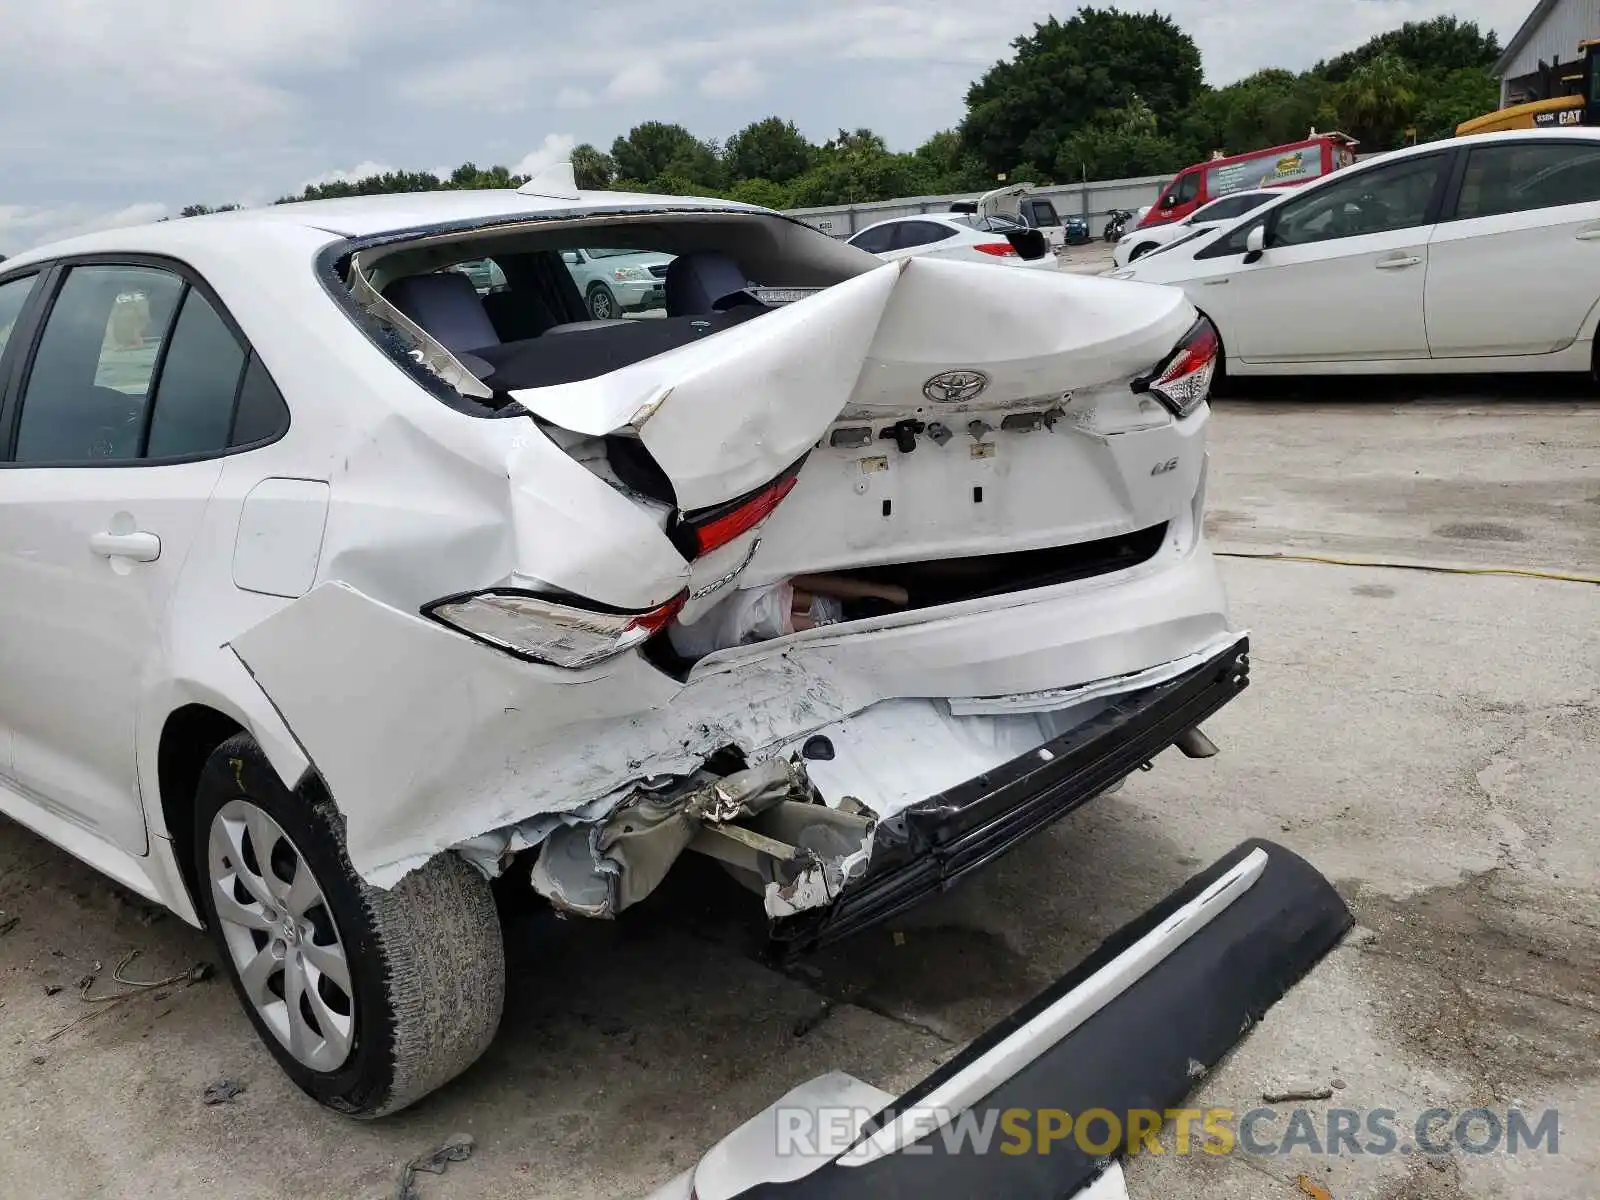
(951, 580)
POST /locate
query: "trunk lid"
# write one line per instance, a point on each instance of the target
(947, 408)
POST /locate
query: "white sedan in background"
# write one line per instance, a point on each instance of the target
(1221, 211)
(947, 235)
(1477, 254)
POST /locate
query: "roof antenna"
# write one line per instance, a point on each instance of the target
(555, 182)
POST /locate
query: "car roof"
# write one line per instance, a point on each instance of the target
(364, 216)
(956, 220)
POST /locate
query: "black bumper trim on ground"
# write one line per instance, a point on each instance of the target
(1140, 1053)
(933, 844)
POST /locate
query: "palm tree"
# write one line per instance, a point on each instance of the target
(1379, 98)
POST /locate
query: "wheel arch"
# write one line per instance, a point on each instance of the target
(194, 725)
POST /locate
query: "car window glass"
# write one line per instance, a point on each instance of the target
(261, 414)
(193, 411)
(1226, 208)
(13, 296)
(1188, 187)
(87, 389)
(1044, 213)
(875, 240)
(1395, 196)
(1522, 176)
(910, 234)
(1230, 243)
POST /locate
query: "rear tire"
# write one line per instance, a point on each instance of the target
(422, 963)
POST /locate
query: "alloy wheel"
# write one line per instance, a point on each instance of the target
(280, 933)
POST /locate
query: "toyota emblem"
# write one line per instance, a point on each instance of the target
(955, 387)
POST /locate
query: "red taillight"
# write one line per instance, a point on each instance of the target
(1183, 381)
(998, 249)
(699, 533)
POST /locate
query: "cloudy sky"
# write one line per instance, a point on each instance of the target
(112, 112)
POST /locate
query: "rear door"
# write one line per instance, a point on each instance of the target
(1525, 229)
(117, 422)
(1342, 276)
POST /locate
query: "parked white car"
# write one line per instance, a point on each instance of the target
(993, 232)
(331, 587)
(1221, 211)
(1470, 255)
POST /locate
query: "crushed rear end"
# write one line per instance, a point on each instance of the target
(850, 579)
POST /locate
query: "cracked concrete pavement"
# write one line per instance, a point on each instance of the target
(1431, 742)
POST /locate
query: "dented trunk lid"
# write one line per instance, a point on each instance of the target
(948, 409)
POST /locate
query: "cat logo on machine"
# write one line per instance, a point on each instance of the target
(1163, 468)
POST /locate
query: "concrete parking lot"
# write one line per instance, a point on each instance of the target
(1430, 741)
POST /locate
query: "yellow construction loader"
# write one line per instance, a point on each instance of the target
(1571, 97)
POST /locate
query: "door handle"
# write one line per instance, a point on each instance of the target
(1589, 235)
(1394, 264)
(140, 547)
(1215, 282)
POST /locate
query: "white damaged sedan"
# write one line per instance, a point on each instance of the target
(330, 588)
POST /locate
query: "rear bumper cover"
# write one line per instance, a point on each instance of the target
(1141, 1052)
(928, 847)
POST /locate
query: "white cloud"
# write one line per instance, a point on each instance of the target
(556, 147)
(642, 80)
(23, 227)
(361, 170)
(574, 97)
(736, 81)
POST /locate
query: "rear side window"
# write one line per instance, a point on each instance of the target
(1043, 213)
(13, 296)
(133, 364)
(193, 412)
(874, 241)
(910, 234)
(1523, 176)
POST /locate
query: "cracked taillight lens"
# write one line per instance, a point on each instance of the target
(1183, 381)
(548, 631)
(698, 533)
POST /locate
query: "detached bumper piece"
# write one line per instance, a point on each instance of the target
(930, 846)
(1129, 1029)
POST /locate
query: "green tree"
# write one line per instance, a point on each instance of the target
(771, 149)
(948, 166)
(200, 210)
(1264, 109)
(592, 168)
(1378, 100)
(1447, 101)
(760, 191)
(1066, 73)
(855, 168)
(1435, 47)
(655, 149)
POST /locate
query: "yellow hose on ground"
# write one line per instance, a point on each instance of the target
(1524, 572)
